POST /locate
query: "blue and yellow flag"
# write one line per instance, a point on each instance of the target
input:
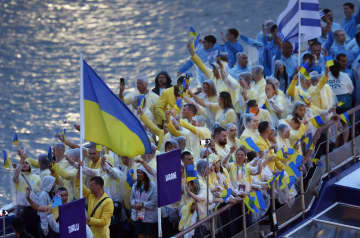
(250, 144)
(194, 35)
(178, 104)
(345, 118)
(225, 194)
(108, 121)
(191, 173)
(308, 140)
(305, 69)
(15, 139)
(329, 61)
(317, 121)
(250, 204)
(267, 106)
(141, 101)
(276, 177)
(7, 161)
(129, 179)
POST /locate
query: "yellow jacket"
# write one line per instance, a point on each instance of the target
(154, 129)
(99, 223)
(264, 145)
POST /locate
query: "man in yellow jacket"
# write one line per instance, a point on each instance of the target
(100, 207)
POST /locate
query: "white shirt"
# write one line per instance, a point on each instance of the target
(341, 85)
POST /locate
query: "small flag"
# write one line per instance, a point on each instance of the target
(305, 69)
(274, 178)
(308, 140)
(129, 179)
(259, 199)
(250, 204)
(317, 162)
(267, 106)
(317, 121)
(345, 118)
(191, 173)
(15, 139)
(225, 194)
(56, 201)
(295, 169)
(178, 104)
(329, 61)
(250, 144)
(194, 35)
(339, 104)
(50, 156)
(141, 101)
(7, 161)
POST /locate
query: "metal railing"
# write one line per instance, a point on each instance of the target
(305, 197)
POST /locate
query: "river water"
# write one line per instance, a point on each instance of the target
(41, 41)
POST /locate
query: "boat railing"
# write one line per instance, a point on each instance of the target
(281, 216)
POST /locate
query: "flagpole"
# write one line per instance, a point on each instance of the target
(159, 223)
(82, 124)
(299, 36)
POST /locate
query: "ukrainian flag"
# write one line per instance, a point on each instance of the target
(317, 121)
(329, 61)
(129, 179)
(191, 173)
(15, 139)
(267, 106)
(107, 119)
(304, 70)
(7, 161)
(250, 144)
(141, 101)
(178, 104)
(225, 194)
(345, 118)
(194, 35)
(250, 203)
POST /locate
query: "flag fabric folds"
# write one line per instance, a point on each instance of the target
(317, 121)
(141, 101)
(129, 179)
(329, 61)
(250, 144)
(191, 173)
(304, 11)
(15, 139)
(345, 118)
(225, 194)
(107, 119)
(7, 161)
(305, 69)
(195, 36)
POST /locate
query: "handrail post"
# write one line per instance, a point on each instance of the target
(273, 209)
(353, 143)
(244, 218)
(302, 194)
(327, 166)
(4, 226)
(212, 227)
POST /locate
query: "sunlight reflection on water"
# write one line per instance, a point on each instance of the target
(41, 41)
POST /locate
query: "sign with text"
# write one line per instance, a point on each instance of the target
(72, 219)
(169, 177)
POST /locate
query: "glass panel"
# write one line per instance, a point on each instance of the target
(321, 230)
(343, 214)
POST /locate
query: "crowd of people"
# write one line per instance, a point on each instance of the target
(228, 118)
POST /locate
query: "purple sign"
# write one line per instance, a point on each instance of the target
(169, 177)
(72, 220)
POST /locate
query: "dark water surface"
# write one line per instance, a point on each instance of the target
(41, 41)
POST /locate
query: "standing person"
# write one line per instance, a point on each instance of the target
(23, 178)
(287, 56)
(241, 65)
(341, 86)
(144, 205)
(100, 207)
(205, 51)
(232, 46)
(44, 200)
(350, 21)
(280, 73)
(162, 82)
